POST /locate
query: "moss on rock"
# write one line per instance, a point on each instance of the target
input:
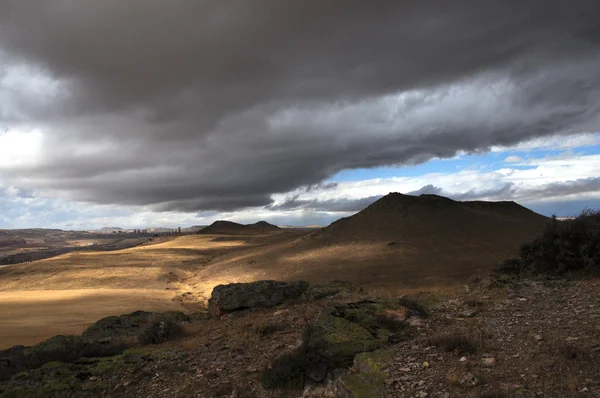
(334, 288)
(337, 340)
(367, 380)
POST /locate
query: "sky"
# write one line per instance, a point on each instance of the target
(151, 113)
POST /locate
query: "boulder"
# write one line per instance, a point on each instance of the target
(337, 340)
(367, 379)
(239, 296)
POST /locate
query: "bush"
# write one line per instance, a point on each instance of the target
(291, 371)
(455, 342)
(58, 348)
(569, 246)
(270, 327)
(159, 328)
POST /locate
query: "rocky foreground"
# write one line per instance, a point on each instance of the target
(515, 338)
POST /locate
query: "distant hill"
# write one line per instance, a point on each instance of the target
(232, 228)
(397, 217)
(400, 240)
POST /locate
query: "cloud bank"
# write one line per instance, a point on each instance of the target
(192, 105)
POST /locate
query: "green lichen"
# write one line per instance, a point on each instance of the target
(338, 339)
(152, 351)
(359, 386)
(367, 379)
(106, 365)
(94, 385)
(373, 362)
(338, 289)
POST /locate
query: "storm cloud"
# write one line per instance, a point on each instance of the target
(195, 105)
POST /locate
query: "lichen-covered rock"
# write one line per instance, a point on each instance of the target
(333, 288)
(127, 325)
(378, 315)
(238, 296)
(367, 379)
(337, 340)
(52, 379)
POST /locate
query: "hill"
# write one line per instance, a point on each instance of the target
(232, 228)
(404, 218)
(397, 242)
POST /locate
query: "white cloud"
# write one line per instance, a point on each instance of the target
(513, 159)
(20, 148)
(553, 143)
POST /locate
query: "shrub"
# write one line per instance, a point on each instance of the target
(569, 246)
(455, 342)
(414, 308)
(268, 328)
(290, 371)
(58, 348)
(159, 328)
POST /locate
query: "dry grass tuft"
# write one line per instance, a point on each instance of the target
(454, 342)
(159, 328)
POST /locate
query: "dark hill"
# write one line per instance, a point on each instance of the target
(232, 228)
(398, 217)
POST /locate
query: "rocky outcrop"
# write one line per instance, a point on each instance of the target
(343, 331)
(127, 325)
(107, 337)
(239, 296)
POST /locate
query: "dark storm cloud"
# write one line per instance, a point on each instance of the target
(194, 105)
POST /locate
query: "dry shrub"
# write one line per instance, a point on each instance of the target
(455, 342)
(565, 247)
(270, 327)
(290, 370)
(159, 328)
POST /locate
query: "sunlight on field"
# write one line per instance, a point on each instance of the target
(30, 316)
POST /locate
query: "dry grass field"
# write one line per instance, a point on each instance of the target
(66, 293)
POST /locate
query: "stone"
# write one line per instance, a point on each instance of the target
(239, 296)
(488, 362)
(368, 380)
(416, 322)
(377, 314)
(337, 340)
(468, 380)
